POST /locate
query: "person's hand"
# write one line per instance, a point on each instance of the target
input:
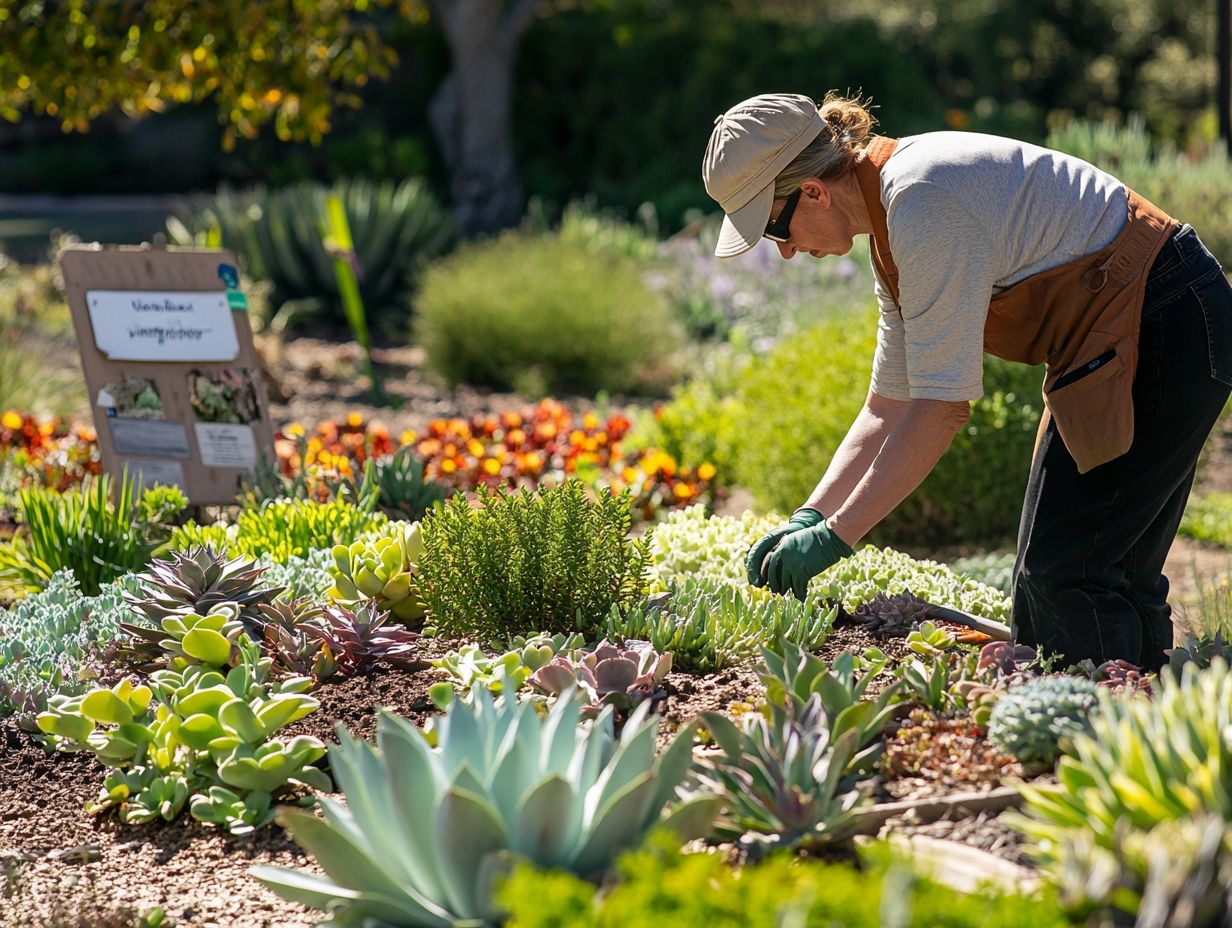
(754, 561)
(803, 555)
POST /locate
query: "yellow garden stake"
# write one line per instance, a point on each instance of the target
(336, 237)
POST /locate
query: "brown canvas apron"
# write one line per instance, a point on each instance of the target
(1081, 319)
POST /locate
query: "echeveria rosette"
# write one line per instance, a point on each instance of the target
(425, 833)
(620, 677)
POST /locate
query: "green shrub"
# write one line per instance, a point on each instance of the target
(283, 528)
(1150, 770)
(278, 235)
(533, 313)
(1194, 190)
(85, 531)
(1209, 518)
(660, 885)
(691, 544)
(784, 438)
(550, 560)
(50, 641)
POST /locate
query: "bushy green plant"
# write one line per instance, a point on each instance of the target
(1194, 190)
(528, 312)
(1209, 518)
(283, 528)
(277, 234)
(785, 438)
(194, 737)
(551, 560)
(870, 571)
(85, 531)
(425, 833)
(658, 884)
(1144, 764)
(1030, 721)
(689, 543)
(710, 624)
(50, 642)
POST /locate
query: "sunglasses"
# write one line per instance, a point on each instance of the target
(779, 230)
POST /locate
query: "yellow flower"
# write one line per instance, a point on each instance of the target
(491, 466)
(407, 437)
(355, 419)
(706, 471)
(295, 429)
(475, 447)
(11, 420)
(448, 466)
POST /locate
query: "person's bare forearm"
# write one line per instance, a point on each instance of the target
(906, 457)
(856, 452)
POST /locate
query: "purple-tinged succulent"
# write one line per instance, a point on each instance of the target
(358, 640)
(1004, 659)
(608, 676)
(1120, 676)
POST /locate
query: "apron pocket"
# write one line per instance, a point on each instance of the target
(1094, 411)
(1215, 297)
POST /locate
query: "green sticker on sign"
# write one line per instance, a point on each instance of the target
(237, 301)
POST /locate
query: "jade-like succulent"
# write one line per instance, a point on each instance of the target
(929, 639)
(1030, 721)
(185, 638)
(187, 731)
(426, 834)
(384, 569)
(620, 677)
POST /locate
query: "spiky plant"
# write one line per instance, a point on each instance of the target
(891, 616)
(360, 639)
(289, 640)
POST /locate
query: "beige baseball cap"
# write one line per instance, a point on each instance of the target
(750, 145)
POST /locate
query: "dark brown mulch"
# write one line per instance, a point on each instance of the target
(353, 703)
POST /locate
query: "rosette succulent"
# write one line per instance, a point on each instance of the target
(1030, 721)
(384, 569)
(891, 614)
(620, 677)
(426, 834)
(359, 639)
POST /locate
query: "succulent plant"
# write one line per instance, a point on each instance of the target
(198, 579)
(891, 615)
(182, 639)
(690, 544)
(794, 677)
(402, 491)
(783, 779)
(1198, 651)
(1001, 660)
(929, 639)
(384, 570)
(1030, 721)
(620, 677)
(947, 747)
(470, 667)
(360, 639)
(425, 834)
(931, 683)
(288, 638)
(1121, 676)
(187, 731)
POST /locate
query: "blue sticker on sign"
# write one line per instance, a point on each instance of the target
(230, 276)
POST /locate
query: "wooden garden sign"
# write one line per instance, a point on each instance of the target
(170, 367)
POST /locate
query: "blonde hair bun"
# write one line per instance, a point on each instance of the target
(832, 153)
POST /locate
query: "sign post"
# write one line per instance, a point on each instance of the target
(173, 377)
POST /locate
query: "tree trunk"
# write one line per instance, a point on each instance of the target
(472, 112)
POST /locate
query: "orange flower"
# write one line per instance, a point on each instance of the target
(437, 428)
(577, 437)
(683, 491)
(515, 438)
(511, 420)
(429, 448)
(491, 466)
(545, 431)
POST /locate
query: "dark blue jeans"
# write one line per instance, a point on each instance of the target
(1088, 579)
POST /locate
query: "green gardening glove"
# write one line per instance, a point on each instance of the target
(802, 556)
(802, 518)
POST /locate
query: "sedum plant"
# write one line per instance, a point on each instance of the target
(1030, 721)
(85, 530)
(620, 677)
(552, 560)
(858, 579)
(190, 730)
(50, 642)
(359, 639)
(688, 543)
(426, 833)
(1145, 771)
(784, 777)
(470, 667)
(283, 528)
(709, 624)
(383, 569)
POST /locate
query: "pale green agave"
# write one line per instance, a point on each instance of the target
(425, 833)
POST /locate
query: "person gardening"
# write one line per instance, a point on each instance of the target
(981, 243)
